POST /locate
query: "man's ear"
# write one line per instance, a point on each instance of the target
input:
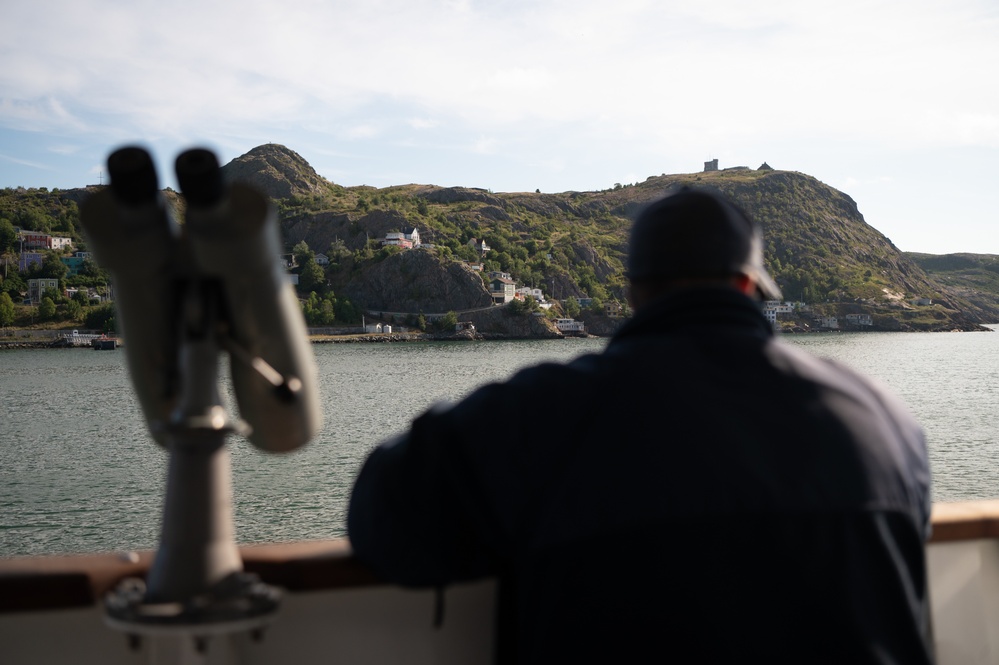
(745, 284)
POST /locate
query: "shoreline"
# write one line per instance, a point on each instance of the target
(47, 338)
(56, 341)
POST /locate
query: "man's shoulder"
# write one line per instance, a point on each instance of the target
(795, 361)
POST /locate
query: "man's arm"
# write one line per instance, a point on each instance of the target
(415, 515)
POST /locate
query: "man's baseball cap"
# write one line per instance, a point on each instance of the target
(697, 234)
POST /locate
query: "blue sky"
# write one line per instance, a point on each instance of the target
(893, 102)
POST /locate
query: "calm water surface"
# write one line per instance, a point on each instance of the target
(79, 472)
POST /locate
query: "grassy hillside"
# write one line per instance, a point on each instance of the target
(572, 244)
(818, 245)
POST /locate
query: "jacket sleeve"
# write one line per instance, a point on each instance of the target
(414, 517)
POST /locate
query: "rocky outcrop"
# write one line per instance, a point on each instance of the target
(459, 194)
(418, 281)
(319, 230)
(276, 171)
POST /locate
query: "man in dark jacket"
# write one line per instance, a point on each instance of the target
(698, 492)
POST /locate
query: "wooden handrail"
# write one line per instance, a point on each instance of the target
(57, 582)
(966, 520)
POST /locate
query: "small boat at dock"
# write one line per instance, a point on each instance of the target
(103, 343)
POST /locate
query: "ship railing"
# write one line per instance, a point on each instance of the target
(335, 610)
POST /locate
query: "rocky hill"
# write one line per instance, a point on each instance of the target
(971, 277)
(572, 244)
(276, 171)
(818, 245)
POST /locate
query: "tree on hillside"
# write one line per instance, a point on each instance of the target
(102, 318)
(571, 307)
(55, 295)
(51, 267)
(46, 309)
(90, 268)
(8, 237)
(6, 309)
(338, 251)
(302, 253)
(312, 277)
(14, 284)
(74, 310)
(447, 322)
(319, 311)
(346, 311)
(31, 219)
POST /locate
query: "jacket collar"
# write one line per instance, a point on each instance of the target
(702, 309)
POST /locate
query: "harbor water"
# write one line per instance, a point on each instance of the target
(80, 473)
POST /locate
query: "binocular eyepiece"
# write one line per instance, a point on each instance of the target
(229, 239)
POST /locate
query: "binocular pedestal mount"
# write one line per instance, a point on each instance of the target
(196, 587)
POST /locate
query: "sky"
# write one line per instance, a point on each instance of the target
(895, 103)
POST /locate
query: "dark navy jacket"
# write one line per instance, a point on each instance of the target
(697, 492)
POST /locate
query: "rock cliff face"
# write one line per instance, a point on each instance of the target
(321, 229)
(418, 281)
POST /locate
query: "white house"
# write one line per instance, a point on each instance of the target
(779, 307)
(480, 247)
(525, 291)
(569, 326)
(397, 239)
(407, 239)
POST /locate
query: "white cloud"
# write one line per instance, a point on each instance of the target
(64, 149)
(556, 93)
(358, 132)
(24, 162)
(422, 123)
(891, 71)
(485, 146)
